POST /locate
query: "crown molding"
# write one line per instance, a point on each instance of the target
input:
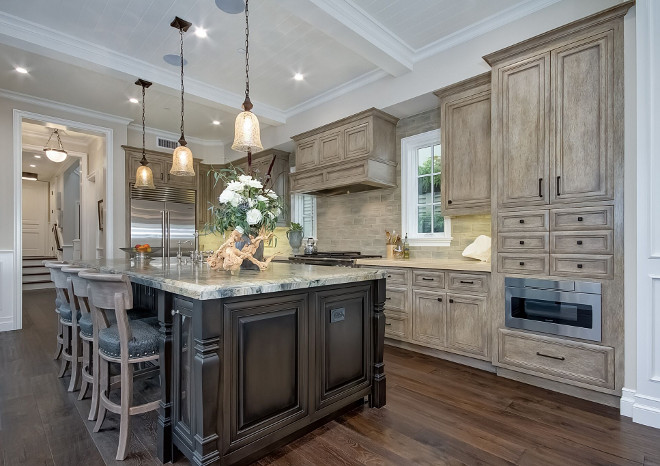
(175, 136)
(14, 28)
(28, 99)
(504, 17)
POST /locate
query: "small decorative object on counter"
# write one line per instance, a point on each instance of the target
(398, 248)
(479, 249)
(406, 248)
(295, 237)
(310, 247)
(248, 209)
(391, 240)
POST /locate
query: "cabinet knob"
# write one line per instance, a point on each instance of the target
(451, 300)
(449, 201)
(522, 263)
(579, 242)
(389, 276)
(579, 266)
(522, 242)
(387, 324)
(522, 220)
(439, 300)
(580, 219)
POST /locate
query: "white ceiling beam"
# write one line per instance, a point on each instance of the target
(355, 29)
(17, 32)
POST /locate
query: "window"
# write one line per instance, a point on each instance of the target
(421, 179)
(303, 211)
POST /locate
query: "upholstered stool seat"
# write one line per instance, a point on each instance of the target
(65, 313)
(86, 325)
(144, 342)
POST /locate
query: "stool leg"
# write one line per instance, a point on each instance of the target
(58, 350)
(75, 364)
(66, 344)
(104, 385)
(126, 402)
(85, 367)
(96, 367)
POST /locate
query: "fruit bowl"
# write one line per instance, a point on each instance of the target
(143, 255)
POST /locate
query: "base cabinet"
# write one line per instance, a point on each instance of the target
(430, 317)
(467, 324)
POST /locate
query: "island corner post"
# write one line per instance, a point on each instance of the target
(212, 409)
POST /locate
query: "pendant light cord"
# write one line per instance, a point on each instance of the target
(247, 54)
(144, 154)
(182, 137)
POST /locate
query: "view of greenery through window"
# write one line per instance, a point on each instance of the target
(429, 178)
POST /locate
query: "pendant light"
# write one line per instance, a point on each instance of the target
(56, 154)
(247, 136)
(144, 177)
(182, 157)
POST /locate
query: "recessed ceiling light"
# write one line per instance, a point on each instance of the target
(216, 122)
(37, 156)
(32, 166)
(298, 77)
(133, 100)
(21, 70)
(200, 32)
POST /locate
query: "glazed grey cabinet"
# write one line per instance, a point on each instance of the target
(465, 126)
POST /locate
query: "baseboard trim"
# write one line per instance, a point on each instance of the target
(627, 402)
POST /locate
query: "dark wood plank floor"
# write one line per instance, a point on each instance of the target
(437, 413)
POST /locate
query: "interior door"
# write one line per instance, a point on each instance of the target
(35, 219)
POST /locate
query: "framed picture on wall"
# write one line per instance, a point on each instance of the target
(100, 212)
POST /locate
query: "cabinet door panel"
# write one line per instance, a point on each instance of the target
(331, 146)
(582, 81)
(429, 318)
(358, 139)
(307, 153)
(524, 105)
(397, 326)
(467, 324)
(466, 154)
(156, 167)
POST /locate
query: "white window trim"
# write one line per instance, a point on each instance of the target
(409, 148)
(297, 212)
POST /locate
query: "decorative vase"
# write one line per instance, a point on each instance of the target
(259, 255)
(295, 238)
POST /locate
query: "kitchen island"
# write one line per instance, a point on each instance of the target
(252, 360)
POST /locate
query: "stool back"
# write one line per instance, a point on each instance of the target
(59, 279)
(77, 287)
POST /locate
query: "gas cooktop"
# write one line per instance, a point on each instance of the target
(341, 258)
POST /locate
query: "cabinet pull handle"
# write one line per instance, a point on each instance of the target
(451, 300)
(161, 176)
(449, 201)
(522, 220)
(439, 300)
(387, 299)
(522, 242)
(579, 266)
(387, 324)
(522, 263)
(389, 276)
(579, 242)
(558, 358)
(540, 187)
(427, 279)
(467, 282)
(558, 185)
(580, 219)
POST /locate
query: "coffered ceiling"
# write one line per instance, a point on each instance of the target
(101, 46)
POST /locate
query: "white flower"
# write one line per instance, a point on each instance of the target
(253, 216)
(235, 186)
(237, 199)
(252, 202)
(226, 196)
(254, 183)
(261, 198)
(271, 194)
(245, 179)
(270, 215)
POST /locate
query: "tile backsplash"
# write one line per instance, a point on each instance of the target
(357, 221)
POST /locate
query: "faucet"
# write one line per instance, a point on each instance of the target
(179, 257)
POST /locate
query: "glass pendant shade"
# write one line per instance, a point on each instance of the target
(182, 162)
(56, 155)
(144, 177)
(247, 136)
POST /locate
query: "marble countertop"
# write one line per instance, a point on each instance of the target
(444, 264)
(200, 282)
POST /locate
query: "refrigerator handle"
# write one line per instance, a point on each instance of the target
(167, 229)
(162, 231)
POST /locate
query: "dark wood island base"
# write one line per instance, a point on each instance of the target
(243, 375)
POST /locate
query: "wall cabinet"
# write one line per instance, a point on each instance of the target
(354, 154)
(465, 126)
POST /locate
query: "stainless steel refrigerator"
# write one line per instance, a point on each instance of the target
(163, 217)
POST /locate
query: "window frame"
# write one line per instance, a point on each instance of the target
(409, 190)
(297, 202)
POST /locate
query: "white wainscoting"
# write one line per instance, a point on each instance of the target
(7, 291)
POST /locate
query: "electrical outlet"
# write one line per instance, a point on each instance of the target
(337, 315)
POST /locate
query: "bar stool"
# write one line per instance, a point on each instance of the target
(127, 342)
(69, 321)
(58, 303)
(77, 288)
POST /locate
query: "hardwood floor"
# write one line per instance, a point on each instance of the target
(437, 413)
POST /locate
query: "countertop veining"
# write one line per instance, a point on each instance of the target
(200, 282)
(442, 264)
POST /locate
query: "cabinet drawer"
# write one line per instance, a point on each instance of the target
(470, 282)
(523, 221)
(523, 242)
(582, 265)
(397, 326)
(523, 263)
(397, 277)
(396, 299)
(582, 242)
(581, 362)
(582, 218)
(428, 279)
